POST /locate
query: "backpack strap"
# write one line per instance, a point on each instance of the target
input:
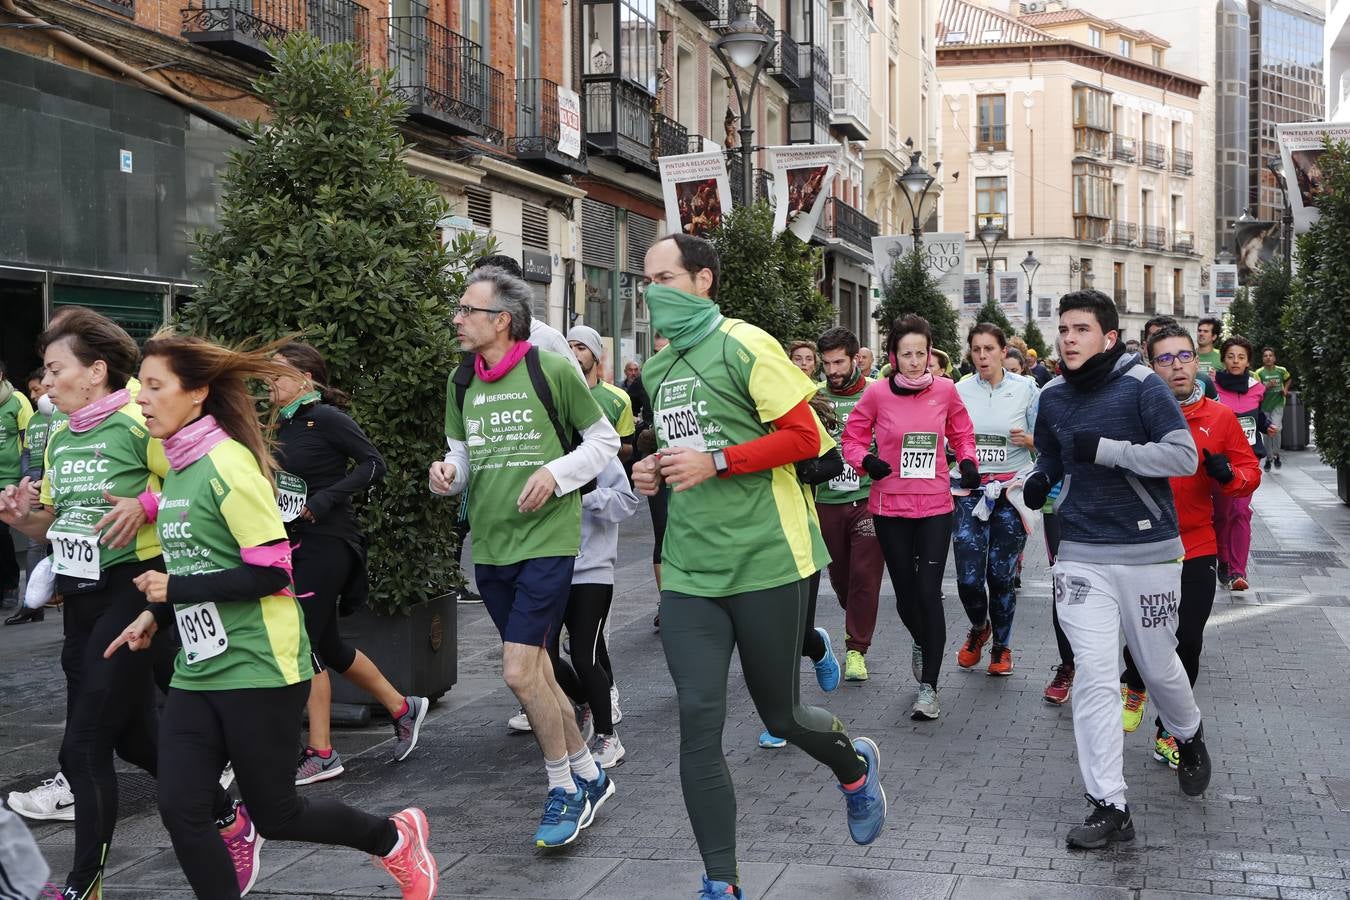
(462, 378)
(544, 392)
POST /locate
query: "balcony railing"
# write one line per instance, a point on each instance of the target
(1150, 303)
(1183, 162)
(849, 225)
(122, 7)
(670, 138)
(1122, 300)
(1123, 148)
(694, 143)
(992, 137)
(850, 108)
(1124, 234)
(810, 109)
(762, 178)
(1183, 241)
(242, 28)
(1155, 155)
(785, 64)
(705, 10)
(619, 122)
(1152, 237)
(538, 127)
(1178, 305)
(440, 74)
(730, 10)
(497, 89)
(989, 218)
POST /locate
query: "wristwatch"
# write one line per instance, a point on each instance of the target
(719, 458)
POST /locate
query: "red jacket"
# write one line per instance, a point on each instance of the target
(1215, 429)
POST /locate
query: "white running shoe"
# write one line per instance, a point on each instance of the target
(51, 800)
(519, 722)
(227, 777)
(616, 714)
(586, 722)
(607, 750)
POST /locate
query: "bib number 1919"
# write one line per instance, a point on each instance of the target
(202, 632)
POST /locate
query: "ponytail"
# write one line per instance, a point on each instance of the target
(306, 358)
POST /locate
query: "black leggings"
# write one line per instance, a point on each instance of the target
(813, 645)
(1198, 583)
(257, 729)
(1052, 551)
(587, 679)
(323, 566)
(916, 558)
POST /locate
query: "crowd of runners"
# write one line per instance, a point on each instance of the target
(200, 554)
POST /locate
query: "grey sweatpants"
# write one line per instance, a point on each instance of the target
(1095, 603)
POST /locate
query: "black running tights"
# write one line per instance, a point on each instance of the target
(586, 680)
(916, 557)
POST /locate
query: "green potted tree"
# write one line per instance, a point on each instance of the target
(1035, 340)
(991, 313)
(323, 231)
(913, 289)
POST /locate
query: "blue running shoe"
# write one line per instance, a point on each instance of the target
(827, 670)
(563, 814)
(867, 805)
(597, 792)
(718, 890)
(770, 742)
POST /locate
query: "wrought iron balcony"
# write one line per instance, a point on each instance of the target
(811, 101)
(439, 73)
(122, 7)
(1124, 234)
(1183, 162)
(497, 94)
(1155, 155)
(1183, 241)
(730, 10)
(1123, 148)
(696, 142)
(1179, 305)
(1122, 300)
(1150, 303)
(242, 28)
(538, 127)
(705, 10)
(1153, 237)
(849, 225)
(763, 178)
(670, 138)
(785, 64)
(619, 122)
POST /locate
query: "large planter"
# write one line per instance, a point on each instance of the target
(1343, 484)
(418, 652)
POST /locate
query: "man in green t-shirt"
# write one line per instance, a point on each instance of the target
(15, 411)
(1277, 379)
(614, 402)
(525, 509)
(732, 418)
(1207, 334)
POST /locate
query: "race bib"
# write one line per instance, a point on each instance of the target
(991, 449)
(292, 494)
(202, 632)
(847, 481)
(918, 455)
(75, 547)
(678, 426)
(1248, 424)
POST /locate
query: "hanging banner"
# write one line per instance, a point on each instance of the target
(802, 177)
(1225, 281)
(944, 255)
(1012, 289)
(1301, 147)
(697, 191)
(972, 287)
(1254, 243)
(569, 123)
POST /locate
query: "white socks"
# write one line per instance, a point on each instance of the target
(583, 764)
(560, 775)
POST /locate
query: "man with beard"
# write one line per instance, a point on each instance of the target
(614, 402)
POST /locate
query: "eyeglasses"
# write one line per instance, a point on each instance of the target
(1166, 359)
(465, 309)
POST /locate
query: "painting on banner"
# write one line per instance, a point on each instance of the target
(1301, 147)
(696, 190)
(801, 183)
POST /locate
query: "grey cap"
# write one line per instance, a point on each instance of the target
(588, 337)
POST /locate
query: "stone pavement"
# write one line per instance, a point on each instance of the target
(979, 800)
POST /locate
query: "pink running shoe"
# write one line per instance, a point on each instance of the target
(245, 846)
(411, 863)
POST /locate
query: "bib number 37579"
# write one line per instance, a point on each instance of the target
(202, 632)
(75, 547)
(918, 455)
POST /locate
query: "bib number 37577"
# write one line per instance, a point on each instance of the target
(202, 632)
(918, 455)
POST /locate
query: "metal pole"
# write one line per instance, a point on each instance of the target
(747, 157)
(989, 268)
(1030, 279)
(1288, 235)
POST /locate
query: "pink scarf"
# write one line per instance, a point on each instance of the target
(191, 442)
(504, 365)
(913, 384)
(89, 417)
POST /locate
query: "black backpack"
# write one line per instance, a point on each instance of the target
(464, 376)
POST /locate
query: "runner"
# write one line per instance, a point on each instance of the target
(1277, 380)
(614, 402)
(656, 504)
(15, 411)
(1112, 431)
(742, 541)
(803, 356)
(510, 403)
(1229, 465)
(1243, 393)
(242, 677)
(867, 362)
(316, 442)
(906, 416)
(1061, 683)
(34, 449)
(1207, 334)
(97, 461)
(1002, 408)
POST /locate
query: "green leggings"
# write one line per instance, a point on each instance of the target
(766, 626)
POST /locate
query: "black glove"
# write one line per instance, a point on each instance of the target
(1218, 467)
(876, 469)
(1085, 446)
(970, 476)
(1035, 489)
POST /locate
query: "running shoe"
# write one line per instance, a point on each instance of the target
(656, 622)
(227, 777)
(769, 742)
(1131, 707)
(26, 615)
(827, 670)
(866, 806)
(718, 890)
(926, 706)
(245, 846)
(1106, 823)
(519, 722)
(1000, 661)
(1239, 583)
(916, 662)
(608, 750)
(1165, 749)
(1278, 462)
(1193, 765)
(855, 666)
(586, 724)
(49, 801)
(563, 814)
(411, 862)
(408, 726)
(74, 892)
(615, 714)
(969, 655)
(1057, 691)
(597, 792)
(464, 595)
(314, 768)
(1266, 465)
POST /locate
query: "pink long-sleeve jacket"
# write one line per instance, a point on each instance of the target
(927, 417)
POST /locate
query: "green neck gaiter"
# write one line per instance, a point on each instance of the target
(289, 410)
(684, 319)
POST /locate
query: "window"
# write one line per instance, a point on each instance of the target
(1157, 57)
(622, 40)
(1091, 200)
(474, 22)
(1091, 120)
(686, 88)
(992, 128)
(991, 199)
(527, 38)
(1095, 37)
(1126, 47)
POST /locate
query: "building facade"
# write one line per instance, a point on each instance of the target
(1336, 40)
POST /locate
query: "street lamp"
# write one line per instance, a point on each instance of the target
(917, 182)
(747, 45)
(1276, 167)
(1029, 266)
(990, 234)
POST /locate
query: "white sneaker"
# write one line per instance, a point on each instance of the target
(50, 800)
(615, 714)
(227, 777)
(607, 750)
(519, 722)
(586, 722)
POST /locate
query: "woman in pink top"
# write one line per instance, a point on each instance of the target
(906, 416)
(1241, 392)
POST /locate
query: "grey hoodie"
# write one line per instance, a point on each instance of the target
(602, 510)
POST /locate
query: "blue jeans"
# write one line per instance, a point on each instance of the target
(986, 563)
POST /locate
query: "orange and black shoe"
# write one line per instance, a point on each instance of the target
(1000, 660)
(968, 657)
